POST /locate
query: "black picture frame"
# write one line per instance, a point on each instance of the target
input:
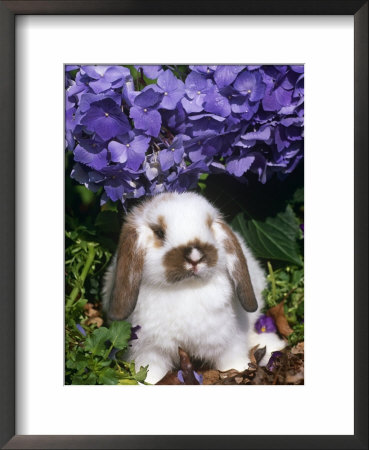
(8, 11)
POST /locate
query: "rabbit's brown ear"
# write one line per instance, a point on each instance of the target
(238, 270)
(128, 274)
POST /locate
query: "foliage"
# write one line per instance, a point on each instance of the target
(274, 238)
(142, 130)
(279, 239)
(93, 355)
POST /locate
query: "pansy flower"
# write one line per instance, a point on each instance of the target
(265, 324)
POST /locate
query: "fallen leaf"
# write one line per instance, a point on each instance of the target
(98, 321)
(169, 378)
(297, 378)
(228, 374)
(210, 376)
(91, 310)
(277, 312)
(256, 354)
(186, 367)
(298, 349)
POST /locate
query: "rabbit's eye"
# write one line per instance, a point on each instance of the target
(159, 233)
(158, 228)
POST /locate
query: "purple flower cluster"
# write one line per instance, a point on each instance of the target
(144, 131)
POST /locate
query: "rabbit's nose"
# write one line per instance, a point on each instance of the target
(194, 256)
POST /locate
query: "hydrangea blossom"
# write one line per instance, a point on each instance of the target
(135, 139)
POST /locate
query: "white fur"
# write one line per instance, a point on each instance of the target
(202, 315)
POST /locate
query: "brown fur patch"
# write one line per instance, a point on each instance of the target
(209, 221)
(127, 275)
(175, 259)
(240, 273)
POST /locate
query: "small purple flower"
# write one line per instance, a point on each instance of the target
(265, 324)
(134, 332)
(216, 103)
(198, 377)
(105, 118)
(196, 86)
(172, 89)
(81, 329)
(149, 71)
(250, 84)
(106, 77)
(131, 148)
(271, 365)
(225, 75)
(118, 181)
(173, 154)
(145, 114)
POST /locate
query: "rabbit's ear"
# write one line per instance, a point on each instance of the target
(238, 270)
(128, 274)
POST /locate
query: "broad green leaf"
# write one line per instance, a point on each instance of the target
(275, 238)
(95, 343)
(78, 379)
(91, 378)
(108, 376)
(119, 334)
(79, 363)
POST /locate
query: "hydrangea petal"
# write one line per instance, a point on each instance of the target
(238, 167)
(118, 152)
(225, 75)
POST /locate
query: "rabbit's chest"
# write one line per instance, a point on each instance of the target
(188, 317)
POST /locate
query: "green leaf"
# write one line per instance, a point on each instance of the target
(275, 238)
(95, 343)
(91, 378)
(108, 376)
(119, 334)
(78, 379)
(298, 196)
(85, 194)
(79, 363)
(297, 335)
(141, 374)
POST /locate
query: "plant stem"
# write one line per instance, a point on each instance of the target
(86, 268)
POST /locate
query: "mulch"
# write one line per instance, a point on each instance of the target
(285, 368)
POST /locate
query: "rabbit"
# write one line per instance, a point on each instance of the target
(189, 281)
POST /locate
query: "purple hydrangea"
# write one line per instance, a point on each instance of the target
(133, 139)
(265, 324)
